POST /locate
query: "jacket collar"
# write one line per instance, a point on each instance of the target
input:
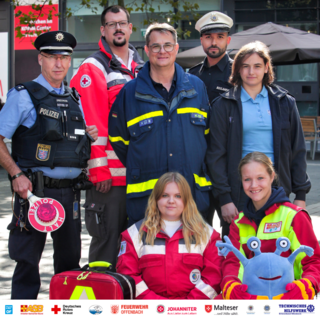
(274, 90)
(104, 47)
(221, 64)
(145, 86)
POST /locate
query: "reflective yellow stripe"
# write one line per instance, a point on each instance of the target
(191, 110)
(302, 289)
(207, 131)
(145, 116)
(141, 187)
(229, 291)
(202, 181)
(78, 292)
(116, 139)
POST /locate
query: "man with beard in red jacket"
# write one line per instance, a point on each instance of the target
(98, 80)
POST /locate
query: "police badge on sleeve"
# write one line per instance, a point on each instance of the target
(43, 152)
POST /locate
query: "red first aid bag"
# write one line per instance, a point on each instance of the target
(89, 284)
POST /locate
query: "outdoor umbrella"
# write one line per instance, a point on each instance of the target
(287, 45)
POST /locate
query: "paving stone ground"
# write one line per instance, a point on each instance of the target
(46, 264)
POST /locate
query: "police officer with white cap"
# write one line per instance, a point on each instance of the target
(50, 145)
(215, 70)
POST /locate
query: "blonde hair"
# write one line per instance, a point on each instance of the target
(246, 51)
(161, 27)
(193, 226)
(259, 157)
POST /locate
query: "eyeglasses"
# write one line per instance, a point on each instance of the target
(56, 58)
(113, 24)
(156, 48)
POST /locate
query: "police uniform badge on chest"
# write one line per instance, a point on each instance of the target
(43, 152)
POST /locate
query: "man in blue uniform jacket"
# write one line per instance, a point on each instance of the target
(159, 123)
(50, 146)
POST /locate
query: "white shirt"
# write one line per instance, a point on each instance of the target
(170, 227)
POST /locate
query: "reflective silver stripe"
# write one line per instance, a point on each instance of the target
(101, 141)
(118, 172)
(56, 48)
(197, 249)
(206, 289)
(145, 250)
(134, 234)
(112, 76)
(140, 288)
(97, 64)
(111, 155)
(98, 162)
(129, 284)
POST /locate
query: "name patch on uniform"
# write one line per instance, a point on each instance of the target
(123, 248)
(223, 89)
(43, 152)
(72, 137)
(80, 132)
(195, 276)
(49, 113)
(272, 227)
(62, 105)
(145, 122)
(197, 116)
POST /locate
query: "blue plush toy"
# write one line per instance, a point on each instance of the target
(266, 274)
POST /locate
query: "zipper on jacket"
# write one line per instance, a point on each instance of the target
(63, 127)
(66, 122)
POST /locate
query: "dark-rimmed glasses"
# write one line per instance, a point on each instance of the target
(56, 58)
(167, 47)
(113, 24)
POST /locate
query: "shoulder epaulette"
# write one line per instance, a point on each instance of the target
(20, 87)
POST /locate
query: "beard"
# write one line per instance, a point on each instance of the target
(119, 43)
(218, 54)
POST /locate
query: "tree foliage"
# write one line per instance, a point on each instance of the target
(179, 10)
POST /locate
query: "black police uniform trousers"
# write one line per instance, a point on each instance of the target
(26, 247)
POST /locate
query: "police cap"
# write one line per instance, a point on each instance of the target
(214, 22)
(56, 42)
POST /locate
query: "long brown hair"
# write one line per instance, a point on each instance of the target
(193, 226)
(247, 50)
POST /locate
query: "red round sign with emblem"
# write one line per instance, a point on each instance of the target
(46, 214)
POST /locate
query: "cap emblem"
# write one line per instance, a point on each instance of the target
(214, 18)
(59, 36)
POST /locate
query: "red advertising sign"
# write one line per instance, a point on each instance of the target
(41, 24)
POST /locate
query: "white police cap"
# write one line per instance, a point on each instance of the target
(214, 22)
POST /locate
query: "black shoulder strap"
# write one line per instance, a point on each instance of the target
(36, 90)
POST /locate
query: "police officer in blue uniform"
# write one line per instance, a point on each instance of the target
(214, 71)
(50, 145)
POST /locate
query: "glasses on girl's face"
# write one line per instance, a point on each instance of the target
(156, 48)
(113, 24)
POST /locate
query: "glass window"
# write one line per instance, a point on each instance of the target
(307, 108)
(260, 16)
(296, 3)
(296, 15)
(267, 4)
(297, 72)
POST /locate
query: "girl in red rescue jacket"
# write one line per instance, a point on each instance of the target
(171, 254)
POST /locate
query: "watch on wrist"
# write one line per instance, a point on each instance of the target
(17, 175)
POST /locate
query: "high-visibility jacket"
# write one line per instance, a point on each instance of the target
(152, 137)
(281, 220)
(167, 270)
(99, 79)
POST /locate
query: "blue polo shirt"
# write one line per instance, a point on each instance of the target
(19, 110)
(257, 124)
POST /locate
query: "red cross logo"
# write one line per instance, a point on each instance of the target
(55, 309)
(85, 81)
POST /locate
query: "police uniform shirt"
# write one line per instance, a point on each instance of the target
(216, 77)
(19, 110)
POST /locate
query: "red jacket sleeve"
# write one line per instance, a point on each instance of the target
(209, 285)
(231, 264)
(91, 84)
(303, 232)
(128, 264)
